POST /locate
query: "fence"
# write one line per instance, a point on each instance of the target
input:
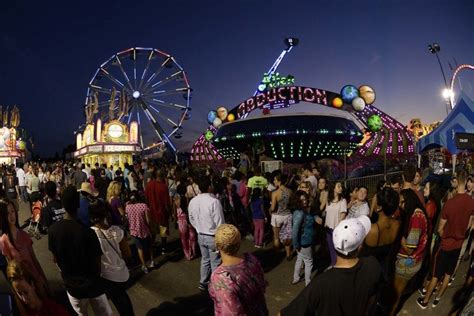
(369, 181)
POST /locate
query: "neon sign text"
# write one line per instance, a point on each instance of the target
(271, 81)
(285, 95)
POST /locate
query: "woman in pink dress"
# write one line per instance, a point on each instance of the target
(186, 231)
(16, 244)
(138, 215)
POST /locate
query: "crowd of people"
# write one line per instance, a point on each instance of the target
(410, 236)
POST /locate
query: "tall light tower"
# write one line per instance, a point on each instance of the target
(434, 49)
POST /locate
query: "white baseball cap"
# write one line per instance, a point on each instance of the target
(350, 234)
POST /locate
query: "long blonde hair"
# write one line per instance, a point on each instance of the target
(17, 271)
(113, 190)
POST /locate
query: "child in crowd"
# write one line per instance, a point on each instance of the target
(258, 216)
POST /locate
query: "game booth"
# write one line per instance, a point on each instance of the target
(113, 144)
(12, 139)
(455, 133)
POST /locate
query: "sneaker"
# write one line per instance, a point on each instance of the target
(163, 251)
(257, 246)
(296, 281)
(152, 264)
(435, 302)
(422, 291)
(202, 287)
(145, 270)
(451, 280)
(421, 303)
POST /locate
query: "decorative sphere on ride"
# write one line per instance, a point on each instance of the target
(20, 145)
(230, 117)
(208, 135)
(337, 103)
(222, 113)
(367, 93)
(358, 104)
(211, 116)
(349, 92)
(217, 122)
(374, 123)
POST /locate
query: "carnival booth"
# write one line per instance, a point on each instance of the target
(455, 133)
(12, 143)
(113, 144)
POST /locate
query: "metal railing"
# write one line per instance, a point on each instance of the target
(369, 181)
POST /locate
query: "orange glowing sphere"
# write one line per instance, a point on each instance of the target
(337, 103)
(230, 117)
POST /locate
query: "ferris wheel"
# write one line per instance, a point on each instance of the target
(145, 85)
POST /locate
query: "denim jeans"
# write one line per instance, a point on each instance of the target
(23, 194)
(304, 255)
(332, 250)
(210, 257)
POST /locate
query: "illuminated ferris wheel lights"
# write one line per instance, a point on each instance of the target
(136, 94)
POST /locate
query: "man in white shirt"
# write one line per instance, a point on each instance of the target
(21, 175)
(205, 214)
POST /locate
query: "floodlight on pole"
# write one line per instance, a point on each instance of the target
(448, 94)
(434, 49)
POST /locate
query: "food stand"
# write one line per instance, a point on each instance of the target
(113, 144)
(12, 146)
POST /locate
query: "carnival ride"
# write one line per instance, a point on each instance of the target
(300, 136)
(145, 85)
(203, 150)
(381, 134)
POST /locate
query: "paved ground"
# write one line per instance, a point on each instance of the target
(171, 288)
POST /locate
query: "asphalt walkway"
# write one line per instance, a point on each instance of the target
(171, 288)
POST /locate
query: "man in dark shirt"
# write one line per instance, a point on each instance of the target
(79, 177)
(76, 250)
(53, 211)
(346, 288)
(101, 184)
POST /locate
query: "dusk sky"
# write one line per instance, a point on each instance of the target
(50, 50)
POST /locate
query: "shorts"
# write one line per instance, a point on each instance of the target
(155, 228)
(445, 262)
(406, 268)
(141, 242)
(278, 220)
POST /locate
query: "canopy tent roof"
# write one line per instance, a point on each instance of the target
(460, 120)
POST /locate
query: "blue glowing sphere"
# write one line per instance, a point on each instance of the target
(349, 93)
(211, 116)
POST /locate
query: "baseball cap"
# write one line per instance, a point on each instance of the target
(350, 234)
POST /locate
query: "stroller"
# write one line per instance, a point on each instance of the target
(35, 219)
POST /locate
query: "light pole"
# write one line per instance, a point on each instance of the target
(434, 49)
